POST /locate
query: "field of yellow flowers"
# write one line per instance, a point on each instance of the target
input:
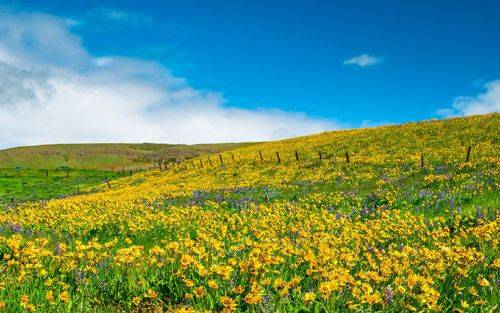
(384, 219)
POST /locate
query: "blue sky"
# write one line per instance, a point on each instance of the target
(336, 63)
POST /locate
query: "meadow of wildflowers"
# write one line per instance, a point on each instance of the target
(406, 225)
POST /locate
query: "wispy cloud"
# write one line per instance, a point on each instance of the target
(115, 15)
(486, 102)
(363, 60)
(52, 89)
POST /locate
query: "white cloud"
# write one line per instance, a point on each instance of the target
(52, 90)
(486, 102)
(363, 60)
(121, 16)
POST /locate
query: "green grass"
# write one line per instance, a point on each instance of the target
(29, 185)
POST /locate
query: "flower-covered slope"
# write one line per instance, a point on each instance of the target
(395, 218)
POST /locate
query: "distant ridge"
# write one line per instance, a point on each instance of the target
(104, 155)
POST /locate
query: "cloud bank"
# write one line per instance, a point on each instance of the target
(363, 60)
(52, 90)
(486, 102)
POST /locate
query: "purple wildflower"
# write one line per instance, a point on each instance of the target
(58, 249)
(388, 295)
(15, 228)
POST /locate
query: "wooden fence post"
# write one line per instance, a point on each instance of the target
(296, 155)
(467, 157)
(232, 157)
(210, 161)
(347, 157)
(320, 156)
(422, 161)
(201, 163)
(278, 156)
(107, 182)
(260, 154)
(221, 161)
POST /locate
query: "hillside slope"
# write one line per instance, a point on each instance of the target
(274, 227)
(103, 156)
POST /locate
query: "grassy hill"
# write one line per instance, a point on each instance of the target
(394, 218)
(103, 155)
(73, 168)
